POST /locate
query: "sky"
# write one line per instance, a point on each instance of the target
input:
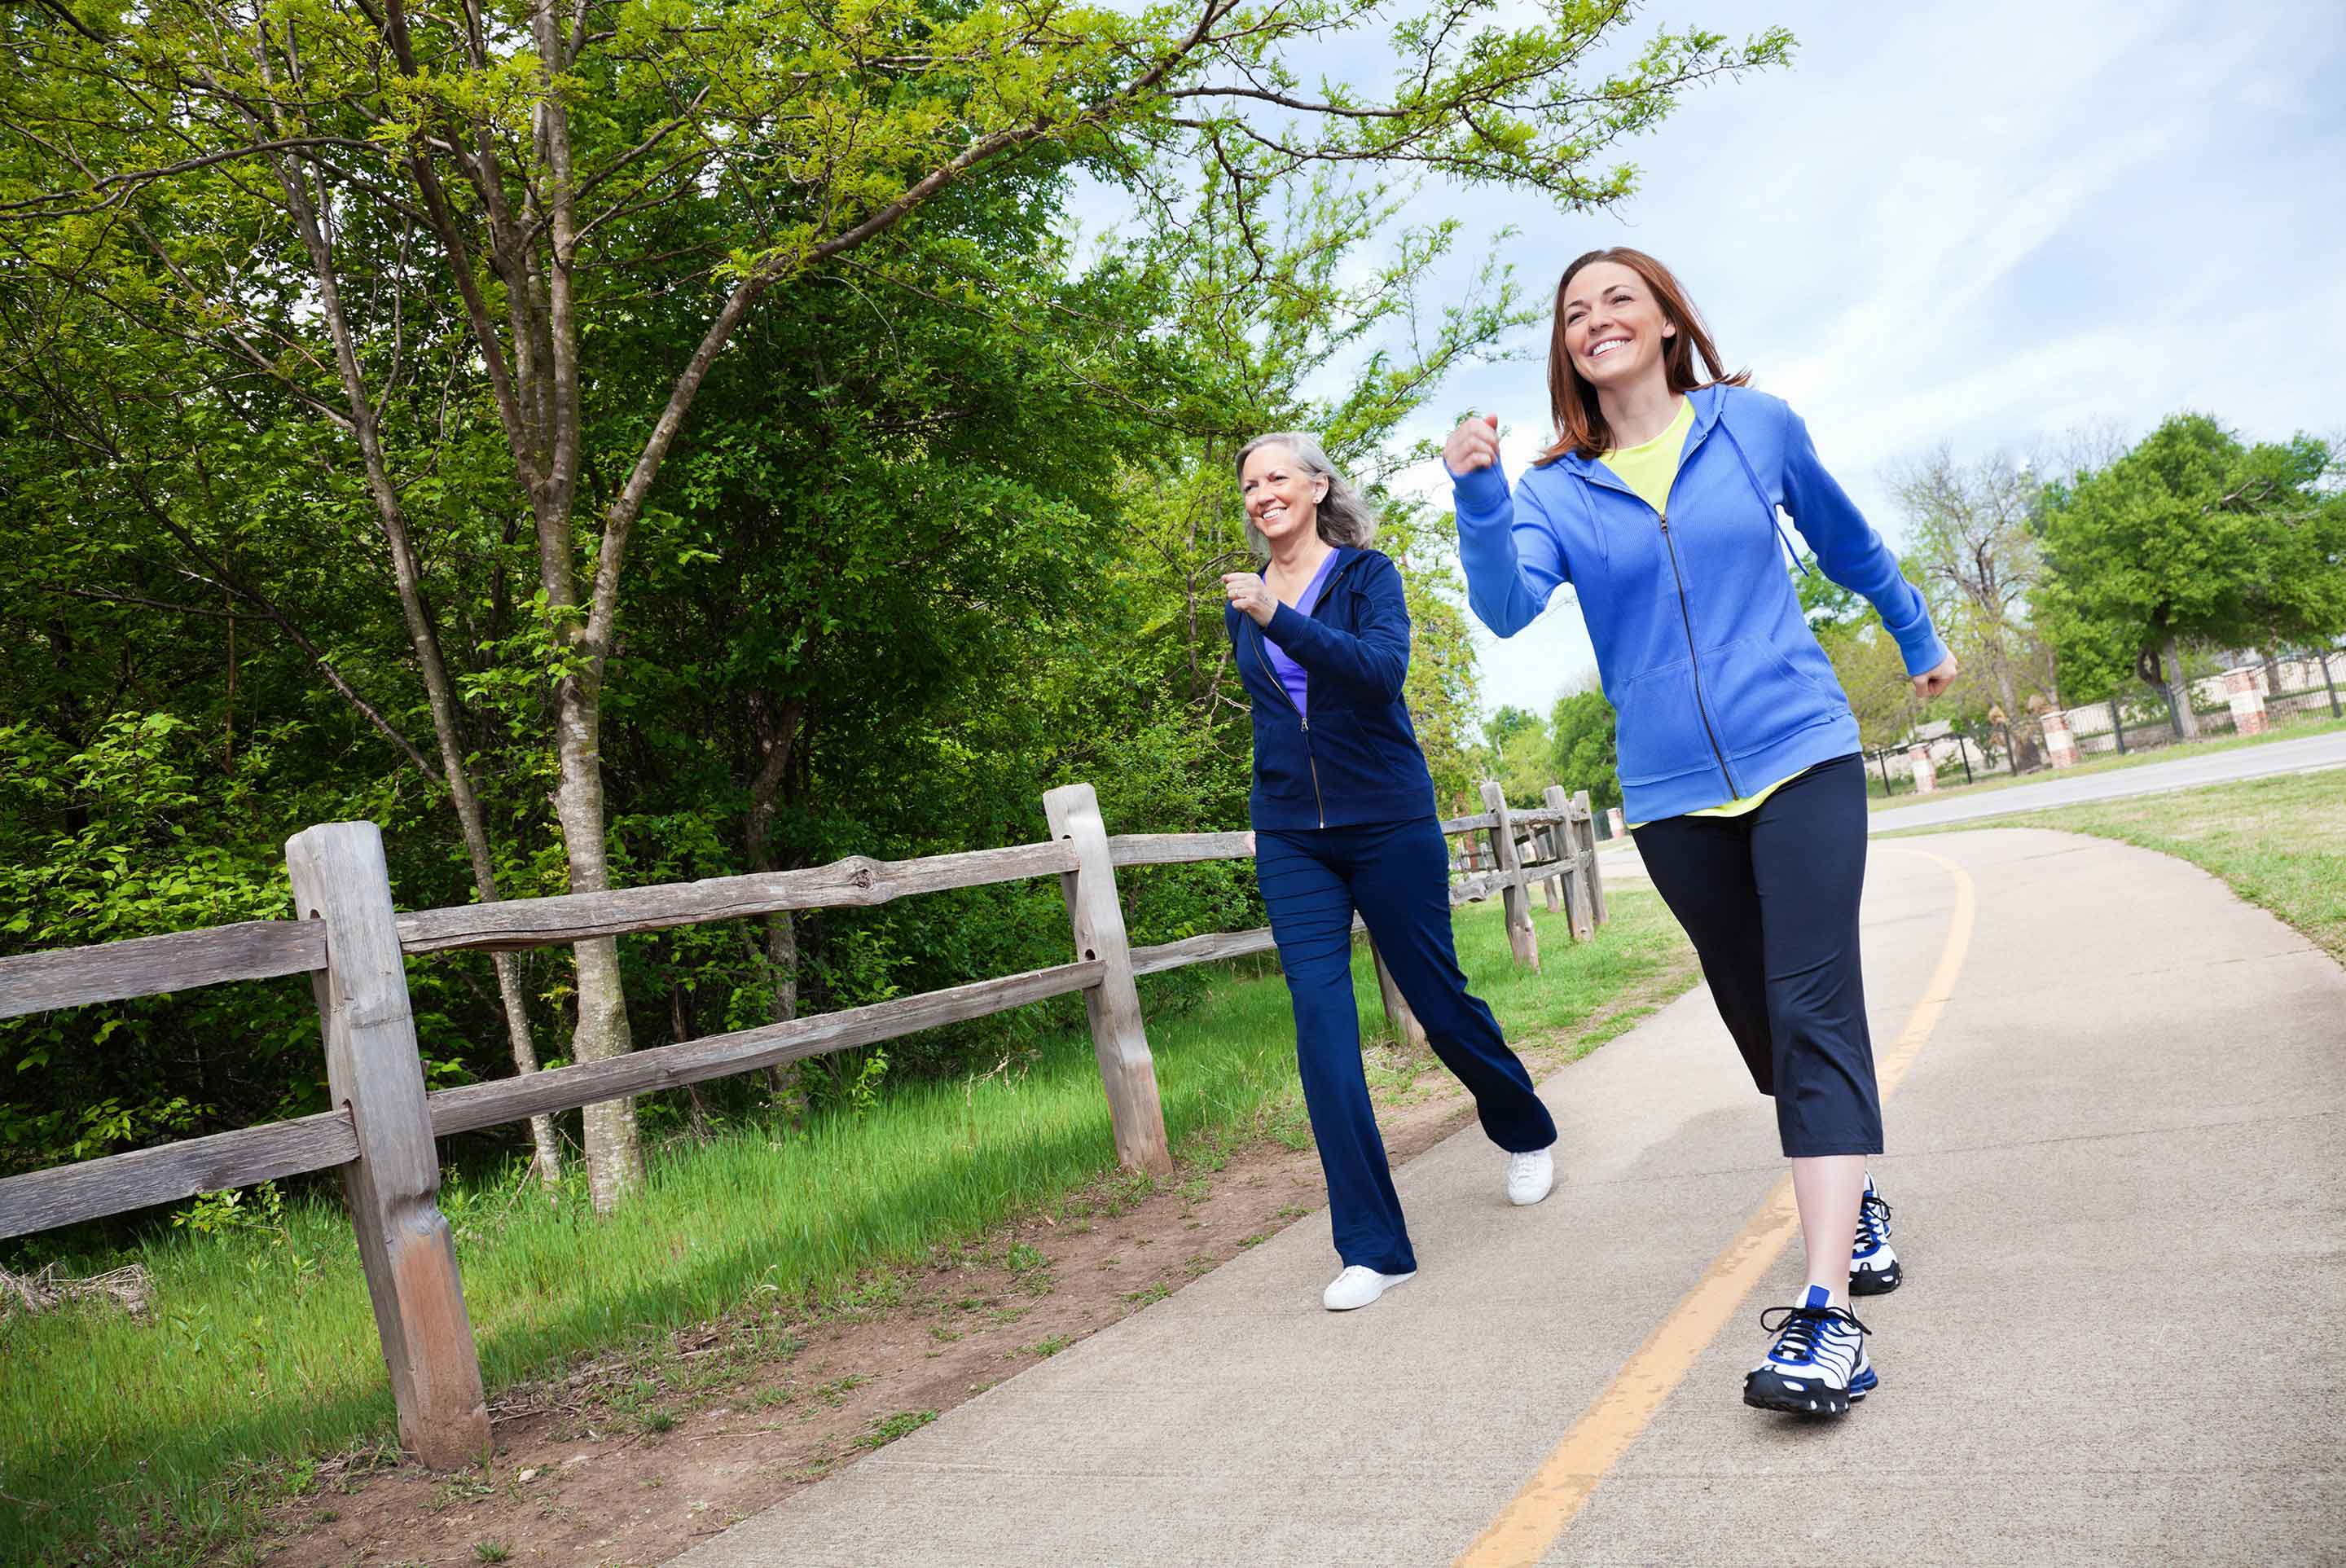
(1982, 225)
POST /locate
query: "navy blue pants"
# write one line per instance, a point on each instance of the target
(1771, 900)
(1397, 874)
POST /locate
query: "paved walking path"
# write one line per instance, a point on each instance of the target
(2119, 1171)
(2303, 756)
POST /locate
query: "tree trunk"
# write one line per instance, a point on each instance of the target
(789, 1080)
(679, 1030)
(546, 441)
(2179, 691)
(2019, 743)
(546, 1157)
(313, 219)
(615, 1153)
(776, 735)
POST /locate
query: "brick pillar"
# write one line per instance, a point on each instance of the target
(2059, 744)
(1613, 820)
(2247, 706)
(1926, 775)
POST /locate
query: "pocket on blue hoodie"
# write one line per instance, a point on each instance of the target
(1660, 732)
(1759, 698)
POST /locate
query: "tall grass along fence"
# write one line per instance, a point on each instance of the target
(380, 1134)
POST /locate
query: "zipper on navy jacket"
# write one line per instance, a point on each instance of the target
(1694, 660)
(1279, 686)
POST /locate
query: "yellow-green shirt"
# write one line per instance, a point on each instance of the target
(1649, 469)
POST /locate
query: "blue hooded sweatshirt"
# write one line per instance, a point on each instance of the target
(1350, 756)
(1718, 687)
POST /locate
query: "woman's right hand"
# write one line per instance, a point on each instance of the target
(1472, 446)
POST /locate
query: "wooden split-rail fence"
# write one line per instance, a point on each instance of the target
(383, 1132)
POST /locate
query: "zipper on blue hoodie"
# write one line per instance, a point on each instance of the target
(1596, 474)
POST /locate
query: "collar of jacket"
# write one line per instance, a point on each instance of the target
(1345, 555)
(1708, 401)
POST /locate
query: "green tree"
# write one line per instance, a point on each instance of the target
(1977, 552)
(1509, 721)
(491, 260)
(2192, 537)
(1581, 750)
(1865, 659)
(818, 553)
(1827, 605)
(1343, 286)
(1872, 675)
(1522, 754)
(1441, 690)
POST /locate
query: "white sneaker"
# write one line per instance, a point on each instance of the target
(1529, 1177)
(1357, 1286)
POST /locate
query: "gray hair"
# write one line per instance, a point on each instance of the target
(1344, 518)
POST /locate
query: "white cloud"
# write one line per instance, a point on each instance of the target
(1983, 226)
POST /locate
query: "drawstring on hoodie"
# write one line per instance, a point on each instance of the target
(1757, 489)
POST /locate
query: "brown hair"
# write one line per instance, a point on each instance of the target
(1580, 424)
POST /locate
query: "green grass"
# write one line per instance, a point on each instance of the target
(2296, 729)
(2280, 843)
(126, 1440)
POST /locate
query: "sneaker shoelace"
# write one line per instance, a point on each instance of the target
(1800, 1329)
(1520, 1166)
(1872, 1221)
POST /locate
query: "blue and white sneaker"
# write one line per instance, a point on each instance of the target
(1872, 1267)
(1817, 1367)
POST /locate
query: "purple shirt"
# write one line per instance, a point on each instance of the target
(1290, 673)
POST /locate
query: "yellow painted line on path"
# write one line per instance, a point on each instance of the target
(1546, 1507)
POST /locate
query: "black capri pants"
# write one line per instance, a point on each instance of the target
(1769, 899)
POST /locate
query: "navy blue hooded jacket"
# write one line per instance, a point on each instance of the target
(1351, 756)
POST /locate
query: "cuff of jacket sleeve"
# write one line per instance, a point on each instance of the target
(1479, 493)
(1921, 645)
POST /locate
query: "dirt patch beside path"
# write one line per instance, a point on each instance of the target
(634, 1457)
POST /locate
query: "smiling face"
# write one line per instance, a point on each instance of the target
(1614, 328)
(1281, 499)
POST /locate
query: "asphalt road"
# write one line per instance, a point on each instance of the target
(2314, 751)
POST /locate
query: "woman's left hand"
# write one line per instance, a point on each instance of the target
(1251, 595)
(1936, 679)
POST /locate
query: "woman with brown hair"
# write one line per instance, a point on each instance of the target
(1739, 755)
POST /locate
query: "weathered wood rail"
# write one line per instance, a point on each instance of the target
(382, 1133)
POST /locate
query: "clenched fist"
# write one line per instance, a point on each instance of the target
(1936, 679)
(1472, 446)
(1251, 595)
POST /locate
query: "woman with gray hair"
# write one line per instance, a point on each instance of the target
(1344, 820)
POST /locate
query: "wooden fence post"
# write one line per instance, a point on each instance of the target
(1591, 876)
(1407, 1031)
(1573, 871)
(1551, 840)
(1584, 907)
(1118, 1041)
(1516, 896)
(373, 1067)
